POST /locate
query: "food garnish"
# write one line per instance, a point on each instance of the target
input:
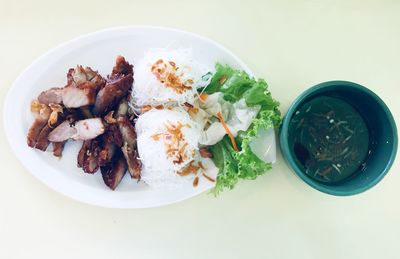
(174, 141)
(167, 73)
(227, 131)
(234, 165)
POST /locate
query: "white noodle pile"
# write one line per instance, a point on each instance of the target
(148, 90)
(158, 170)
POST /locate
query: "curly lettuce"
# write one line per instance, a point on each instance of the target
(243, 164)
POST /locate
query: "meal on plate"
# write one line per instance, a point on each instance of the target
(170, 122)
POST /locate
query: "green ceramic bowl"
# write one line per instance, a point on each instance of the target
(381, 126)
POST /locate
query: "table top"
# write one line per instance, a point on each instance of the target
(293, 45)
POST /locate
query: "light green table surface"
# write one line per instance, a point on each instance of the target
(293, 45)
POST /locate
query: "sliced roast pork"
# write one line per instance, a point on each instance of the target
(117, 87)
(58, 148)
(39, 123)
(129, 146)
(113, 172)
(83, 85)
(52, 95)
(80, 130)
(88, 156)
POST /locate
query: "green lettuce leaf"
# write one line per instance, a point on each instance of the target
(243, 164)
(236, 84)
(249, 165)
(231, 82)
(226, 163)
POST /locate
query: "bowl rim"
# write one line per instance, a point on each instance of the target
(284, 142)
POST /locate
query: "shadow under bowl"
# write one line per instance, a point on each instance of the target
(382, 134)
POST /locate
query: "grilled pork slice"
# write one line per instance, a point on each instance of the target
(106, 153)
(81, 95)
(129, 146)
(82, 153)
(84, 94)
(80, 130)
(56, 117)
(82, 87)
(81, 75)
(122, 67)
(70, 115)
(117, 87)
(37, 126)
(52, 95)
(111, 141)
(88, 156)
(114, 172)
(42, 142)
(62, 132)
(58, 148)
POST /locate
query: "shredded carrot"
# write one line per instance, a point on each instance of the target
(227, 131)
(203, 97)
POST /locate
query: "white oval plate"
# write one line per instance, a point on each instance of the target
(97, 50)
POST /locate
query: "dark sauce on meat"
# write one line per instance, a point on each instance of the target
(330, 139)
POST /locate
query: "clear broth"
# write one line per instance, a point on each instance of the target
(331, 139)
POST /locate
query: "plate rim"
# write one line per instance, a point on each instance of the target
(38, 60)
